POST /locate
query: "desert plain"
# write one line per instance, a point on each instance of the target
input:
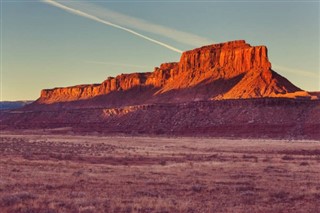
(45, 172)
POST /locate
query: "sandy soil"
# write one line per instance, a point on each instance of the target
(69, 173)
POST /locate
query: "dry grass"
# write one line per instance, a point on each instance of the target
(66, 173)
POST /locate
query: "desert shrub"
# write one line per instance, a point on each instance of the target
(77, 173)
(287, 157)
(15, 170)
(128, 209)
(197, 188)
(27, 155)
(255, 158)
(13, 199)
(304, 164)
(9, 200)
(32, 210)
(245, 188)
(267, 159)
(163, 162)
(107, 206)
(317, 195)
(275, 169)
(280, 196)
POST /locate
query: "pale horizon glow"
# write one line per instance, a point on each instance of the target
(296, 71)
(117, 64)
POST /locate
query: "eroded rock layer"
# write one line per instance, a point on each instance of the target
(230, 70)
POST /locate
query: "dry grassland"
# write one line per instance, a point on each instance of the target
(70, 173)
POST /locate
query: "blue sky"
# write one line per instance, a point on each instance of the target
(45, 46)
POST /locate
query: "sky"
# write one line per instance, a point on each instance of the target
(47, 44)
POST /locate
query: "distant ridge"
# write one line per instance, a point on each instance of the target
(8, 105)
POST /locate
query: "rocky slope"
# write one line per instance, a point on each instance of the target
(242, 118)
(230, 70)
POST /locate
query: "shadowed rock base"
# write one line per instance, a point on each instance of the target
(246, 118)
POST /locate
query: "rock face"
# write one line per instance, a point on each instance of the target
(230, 70)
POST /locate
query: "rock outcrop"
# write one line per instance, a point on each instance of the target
(230, 70)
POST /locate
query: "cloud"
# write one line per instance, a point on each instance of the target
(295, 71)
(92, 17)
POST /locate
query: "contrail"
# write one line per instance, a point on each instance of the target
(139, 24)
(86, 15)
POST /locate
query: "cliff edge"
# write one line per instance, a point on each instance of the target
(231, 70)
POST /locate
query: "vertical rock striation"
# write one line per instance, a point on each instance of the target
(230, 70)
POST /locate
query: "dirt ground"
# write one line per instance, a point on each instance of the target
(70, 173)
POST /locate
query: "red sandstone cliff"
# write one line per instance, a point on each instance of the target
(230, 70)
